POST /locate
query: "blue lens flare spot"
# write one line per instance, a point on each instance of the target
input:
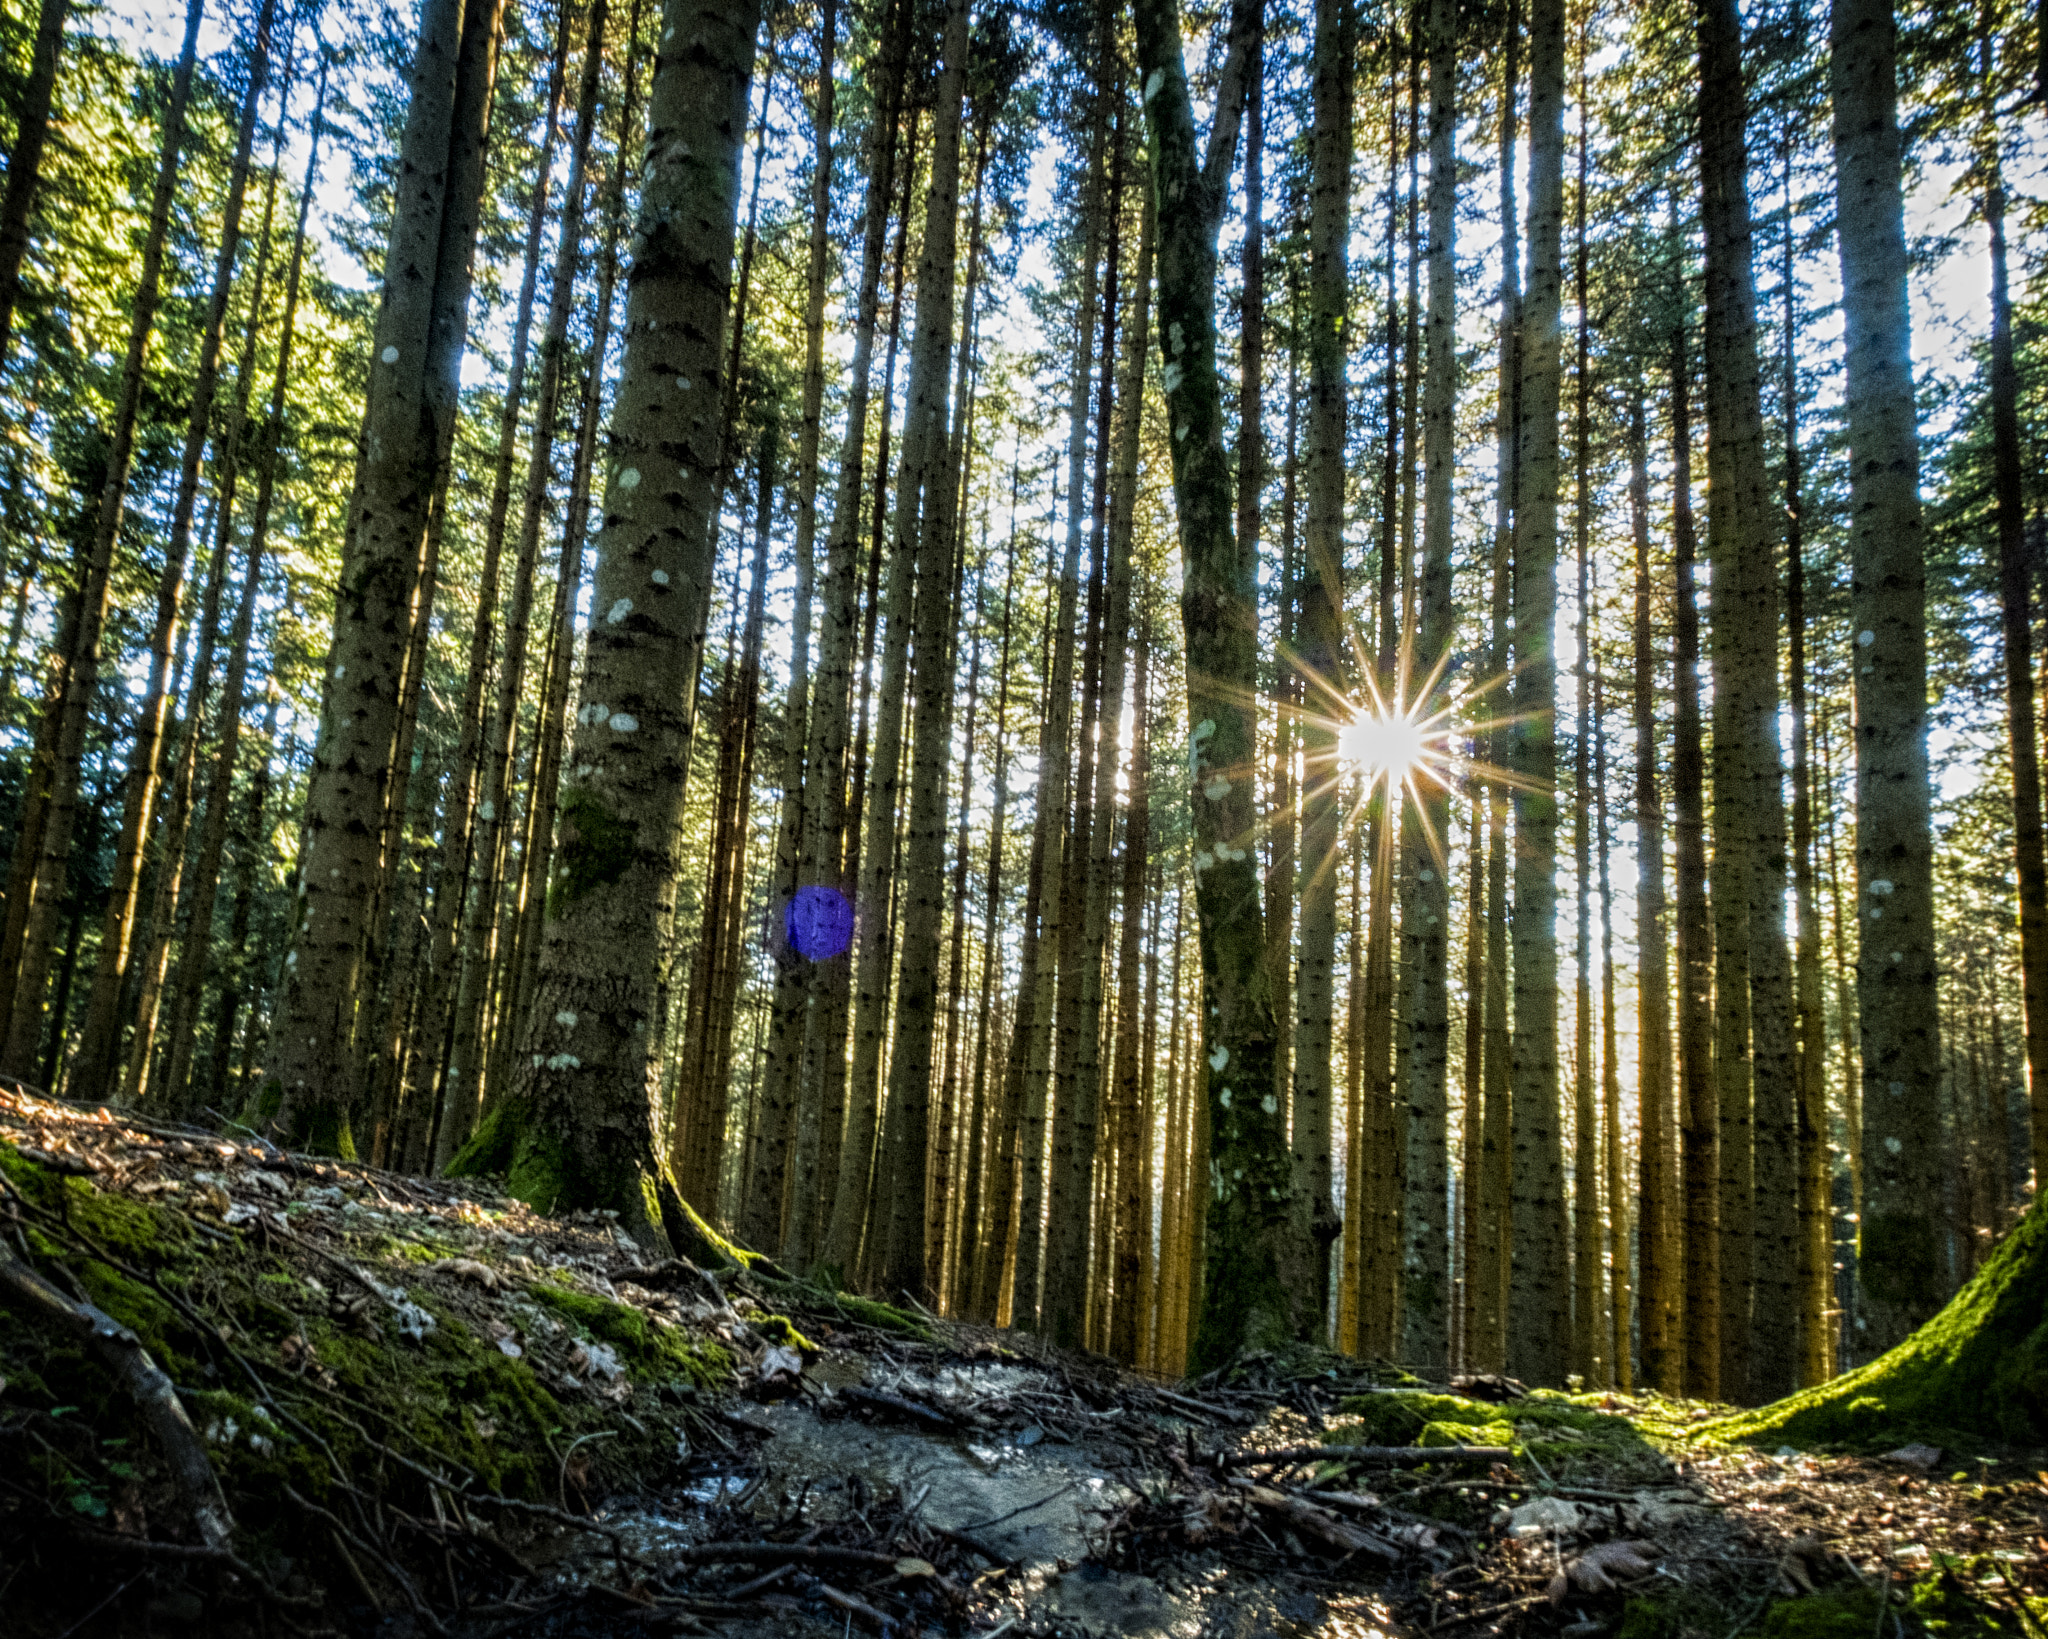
(819, 922)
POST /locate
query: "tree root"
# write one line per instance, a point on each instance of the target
(121, 1352)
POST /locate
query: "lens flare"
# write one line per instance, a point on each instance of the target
(1381, 744)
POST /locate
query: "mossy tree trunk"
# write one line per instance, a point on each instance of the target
(1256, 1288)
(575, 1128)
(1899, 1259)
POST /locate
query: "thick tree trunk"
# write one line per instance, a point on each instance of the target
(1899, 1254)
(1753, 1059)
(1539, 1328)
(575, 1128)
(54, 785)
(407, 426)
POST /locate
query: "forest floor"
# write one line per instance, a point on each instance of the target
(430, 1411)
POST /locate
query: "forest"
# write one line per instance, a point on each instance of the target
(1194, 680)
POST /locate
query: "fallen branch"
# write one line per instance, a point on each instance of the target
(857, 1607)
(1359, 1456)
(121, 1352)
(1304, 1515)
(896, 1405)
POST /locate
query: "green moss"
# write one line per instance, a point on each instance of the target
(321, 1128)
(650, 1353)
(1466, 1434)
(1978, 1369)
(1565, 1436)
(781, 1330)
(595, 850)
(1684, 1614)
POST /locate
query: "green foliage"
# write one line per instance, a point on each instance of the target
(649, 1352)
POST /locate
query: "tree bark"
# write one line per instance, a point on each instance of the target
(1539, 1328)
(1426, 900)
(575, 1128)
(1899, 1252)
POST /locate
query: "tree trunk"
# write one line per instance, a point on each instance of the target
(1426, 900)
(1659, 1276)
(1896, 993)
(407, 427)
(1539, 1329)
(1256, 1290)
(768, 1160)
(1076, 1130)
(1490, 1256)
(1320, 641)
(1815, 1260)
(575, 1128)
(458, 818)
(1698, 1107)
(25, 162)
(2008, 488)
(821, 882)
(1030, 1066)
(483, 922)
